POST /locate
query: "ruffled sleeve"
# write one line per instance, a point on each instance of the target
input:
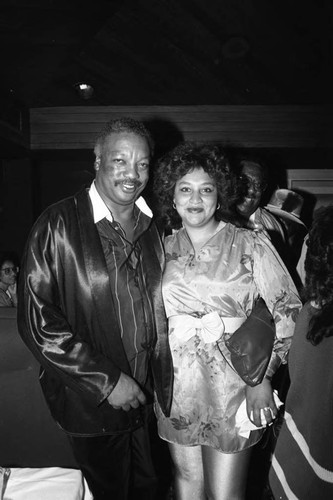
(277, 288)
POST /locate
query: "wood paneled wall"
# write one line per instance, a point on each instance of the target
(250, 126)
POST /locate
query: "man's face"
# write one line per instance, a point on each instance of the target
(122, 168)
(254, 186)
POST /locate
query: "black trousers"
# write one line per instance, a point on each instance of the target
(122, 466)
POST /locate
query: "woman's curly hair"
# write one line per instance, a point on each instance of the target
(319, 273)
(184, 158)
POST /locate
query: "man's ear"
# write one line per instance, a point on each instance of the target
(97, 163)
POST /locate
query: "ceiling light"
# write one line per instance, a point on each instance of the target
(85, 90)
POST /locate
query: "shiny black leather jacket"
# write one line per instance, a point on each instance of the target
(67, 319)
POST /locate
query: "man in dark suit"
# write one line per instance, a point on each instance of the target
(90, 309)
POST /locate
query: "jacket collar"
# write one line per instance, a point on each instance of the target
(101, 211)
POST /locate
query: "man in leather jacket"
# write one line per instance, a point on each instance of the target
(90, 310)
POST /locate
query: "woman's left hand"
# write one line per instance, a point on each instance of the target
(260, 405)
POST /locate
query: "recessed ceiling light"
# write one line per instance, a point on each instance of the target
(85, 90)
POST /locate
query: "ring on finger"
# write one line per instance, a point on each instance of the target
(267, 408)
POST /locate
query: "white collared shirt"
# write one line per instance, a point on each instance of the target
(101, 211)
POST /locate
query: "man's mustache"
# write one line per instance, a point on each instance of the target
(136, 182)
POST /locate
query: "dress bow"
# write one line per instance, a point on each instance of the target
(210, 327)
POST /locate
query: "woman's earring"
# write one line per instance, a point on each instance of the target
(218, 206)
(174, 206)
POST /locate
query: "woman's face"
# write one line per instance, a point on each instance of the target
(195, 198)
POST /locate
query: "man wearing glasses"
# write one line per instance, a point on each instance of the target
(8, 277)
(252, 175)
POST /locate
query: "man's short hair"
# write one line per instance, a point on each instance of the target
(257, 163)
(120, 125)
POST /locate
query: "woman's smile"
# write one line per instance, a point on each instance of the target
(195, 198)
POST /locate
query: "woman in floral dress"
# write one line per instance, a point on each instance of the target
(214, 273)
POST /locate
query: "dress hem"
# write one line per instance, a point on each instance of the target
(215, 448)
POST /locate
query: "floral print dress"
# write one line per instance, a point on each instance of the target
(225, 277)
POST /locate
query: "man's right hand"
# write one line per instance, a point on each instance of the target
(126, 394)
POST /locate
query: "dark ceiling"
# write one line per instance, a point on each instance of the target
(166, 52)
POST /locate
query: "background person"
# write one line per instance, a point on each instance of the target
(214, 273)
(279, 218)
(91, 312)
(287, 205)
(267, 212)
(8, 279)
(253, 177)
(302, 465)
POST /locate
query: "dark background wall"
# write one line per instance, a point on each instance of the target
(28, 185)
(58, 158)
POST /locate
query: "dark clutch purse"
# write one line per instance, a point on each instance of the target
(251, 345)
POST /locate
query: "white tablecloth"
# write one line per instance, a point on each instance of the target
(48, 483)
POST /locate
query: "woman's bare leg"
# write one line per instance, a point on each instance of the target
(188, 472)
(225, 473)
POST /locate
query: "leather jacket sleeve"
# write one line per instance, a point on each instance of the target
(56, 317)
